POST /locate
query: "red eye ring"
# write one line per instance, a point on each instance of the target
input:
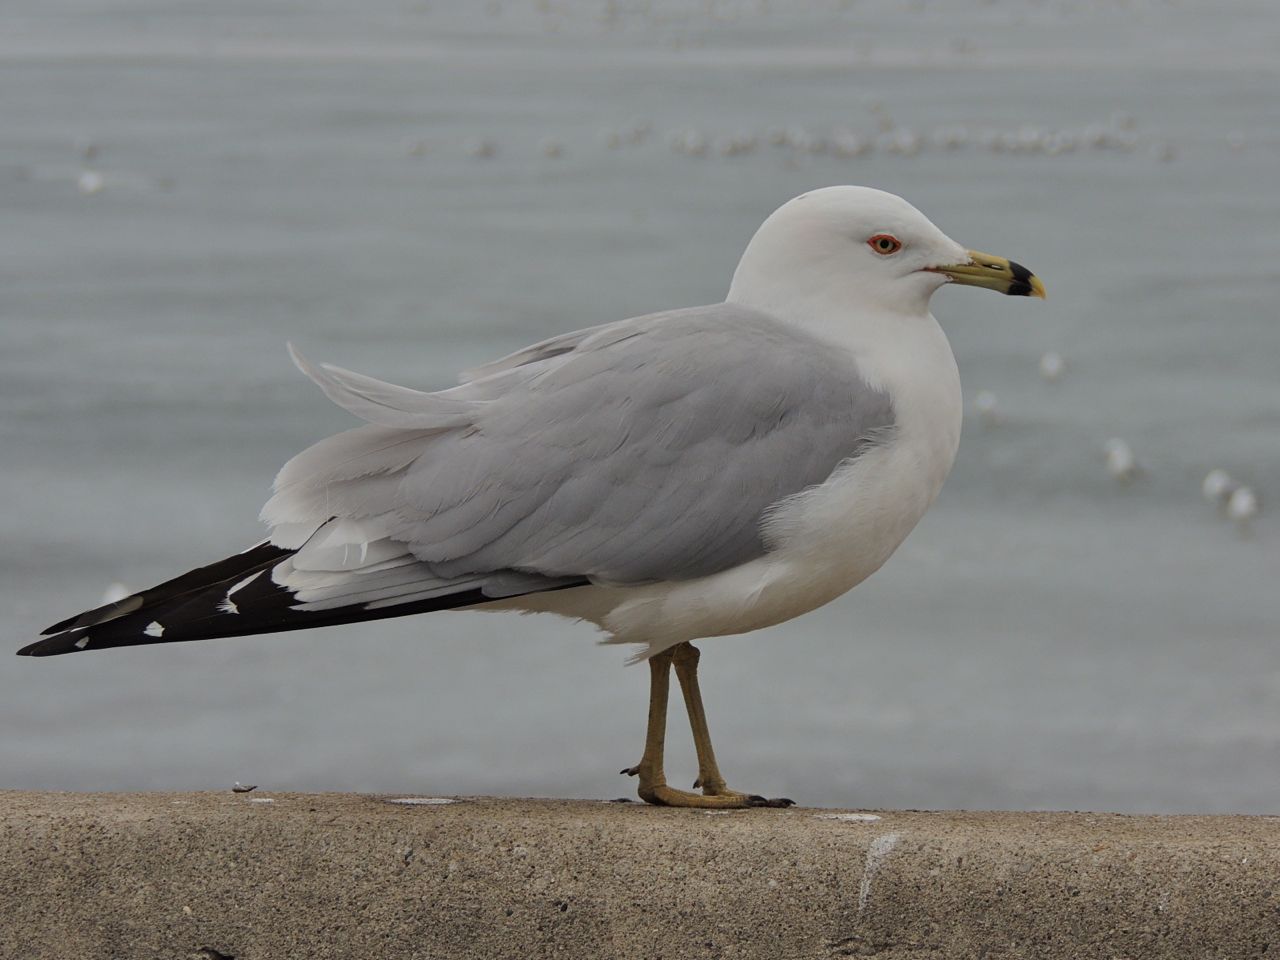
(885, 244)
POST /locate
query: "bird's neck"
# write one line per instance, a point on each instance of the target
(806, 288)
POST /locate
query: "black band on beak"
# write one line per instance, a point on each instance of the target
(1021, 286)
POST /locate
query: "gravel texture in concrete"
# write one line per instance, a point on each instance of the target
(262, 876)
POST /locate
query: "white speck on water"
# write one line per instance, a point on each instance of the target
(803, 141)
(735, 145)
(846, 143)
(689, 141)
(1243, 506)
(902, 142)
(985, 403)
(1218, 486)
(1121, 462)
(877, 853)
(260, 800)
(849, 817)
(1059, 143)
(90, 182)
(1052, 366)
(423, 801)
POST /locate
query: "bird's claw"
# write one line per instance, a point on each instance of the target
(755, 800)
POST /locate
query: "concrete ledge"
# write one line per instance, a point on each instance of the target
(280, 876)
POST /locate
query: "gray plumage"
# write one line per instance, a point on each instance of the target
(650, 449)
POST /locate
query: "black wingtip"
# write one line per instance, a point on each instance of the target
(52, 646)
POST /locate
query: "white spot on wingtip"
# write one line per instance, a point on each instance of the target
(245, 582)
(228, 605)
(154, 629)
(877, 853)
(82, 643)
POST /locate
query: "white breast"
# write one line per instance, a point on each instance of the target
(833, 537)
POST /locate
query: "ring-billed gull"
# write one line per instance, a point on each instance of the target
(687, 474)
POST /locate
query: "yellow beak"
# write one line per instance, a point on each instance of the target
(994, 273)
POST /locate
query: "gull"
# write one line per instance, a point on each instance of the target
(1218, 486)
(694, 473)
(1242, 507)
(1051, 366)
(988, 408)
(90, 182)
(1121, 462)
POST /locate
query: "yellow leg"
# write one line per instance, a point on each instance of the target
(685, 658)
(653, 786)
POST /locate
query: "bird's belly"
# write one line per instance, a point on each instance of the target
(823, 543)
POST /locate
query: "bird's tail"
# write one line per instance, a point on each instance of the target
(233, 597)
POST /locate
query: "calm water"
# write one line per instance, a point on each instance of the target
(1046, 638)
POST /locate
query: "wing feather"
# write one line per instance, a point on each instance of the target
(645, 450)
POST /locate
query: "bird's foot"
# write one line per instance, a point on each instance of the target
(720, 789)
(714, 796)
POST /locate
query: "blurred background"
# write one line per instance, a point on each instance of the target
(419, 187)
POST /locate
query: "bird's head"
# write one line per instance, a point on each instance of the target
(864, 245)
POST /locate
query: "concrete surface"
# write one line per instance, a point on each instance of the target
(259, 875)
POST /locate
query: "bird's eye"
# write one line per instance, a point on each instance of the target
(885, 244)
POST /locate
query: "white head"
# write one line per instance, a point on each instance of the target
(864, 247)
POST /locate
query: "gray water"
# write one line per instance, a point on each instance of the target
(1047, 638)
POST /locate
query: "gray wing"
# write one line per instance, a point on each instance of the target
(644, 450)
